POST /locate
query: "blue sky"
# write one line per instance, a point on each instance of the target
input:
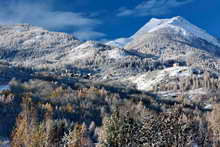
(107, 19)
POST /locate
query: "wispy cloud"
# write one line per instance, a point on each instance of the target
(152, 7)
(88, 34)
(43, 15)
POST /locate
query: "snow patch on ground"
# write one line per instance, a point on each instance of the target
(121, 42)
(85, 45)
(80, 55)
(116, 54)
(147, 81)
(29, 42)
(89, 44)
(81, 52)
(190, 93)
(208, 107)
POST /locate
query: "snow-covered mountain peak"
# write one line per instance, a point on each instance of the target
(155, 24)
(177, 19)
(176, 25)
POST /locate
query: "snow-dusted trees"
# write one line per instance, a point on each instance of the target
(214, 124)
(174, 128)
(78, 137)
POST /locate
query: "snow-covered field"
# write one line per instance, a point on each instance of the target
(121, 42)
(190, 93)
(116, 54)
(147, 81)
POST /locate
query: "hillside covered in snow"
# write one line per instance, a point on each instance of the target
(159, 87)
(176, 25)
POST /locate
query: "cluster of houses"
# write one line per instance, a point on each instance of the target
(67, 73)
(84, 76)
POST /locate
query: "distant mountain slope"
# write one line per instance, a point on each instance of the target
(174, 39)
(32, 45)
(157, 45)
(106, 61)
(35, 47)
(160, 57)
(176, 25)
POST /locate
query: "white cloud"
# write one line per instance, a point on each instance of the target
(88, 35)
(44, 16)
(152, 7)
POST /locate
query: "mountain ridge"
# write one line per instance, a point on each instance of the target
(177, 25)
(32, 46)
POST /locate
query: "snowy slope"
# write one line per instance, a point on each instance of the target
(90, 50)
(121, 42)
(175, 25)
(151, 25)
(147, 81)
(88, 44)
